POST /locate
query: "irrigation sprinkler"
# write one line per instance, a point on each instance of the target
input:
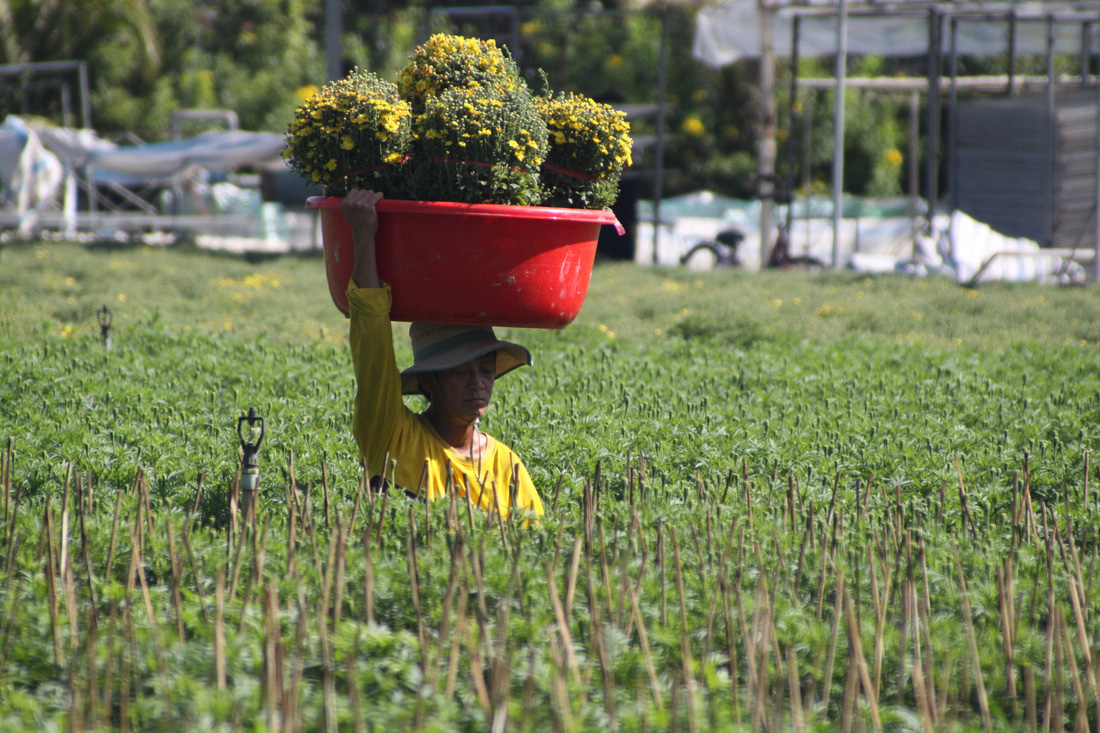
(250, 461)
(105, 317)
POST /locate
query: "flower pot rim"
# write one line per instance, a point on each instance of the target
(602, 216)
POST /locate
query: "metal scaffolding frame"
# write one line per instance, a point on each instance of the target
(943, 20)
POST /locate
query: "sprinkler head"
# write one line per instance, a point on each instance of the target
(256, 430)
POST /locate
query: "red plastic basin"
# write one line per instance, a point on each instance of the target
(486, 264)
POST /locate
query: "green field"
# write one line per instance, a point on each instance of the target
(775, 499)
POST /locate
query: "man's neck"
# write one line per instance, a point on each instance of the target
(458, 434)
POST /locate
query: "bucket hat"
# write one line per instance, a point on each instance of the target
(440, 346)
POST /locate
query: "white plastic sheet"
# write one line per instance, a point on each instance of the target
(30, 175)
(731, 31)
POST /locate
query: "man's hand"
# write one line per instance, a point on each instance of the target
(359, 210)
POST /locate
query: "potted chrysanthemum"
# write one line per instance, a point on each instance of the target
(355, 132)
(466, 156)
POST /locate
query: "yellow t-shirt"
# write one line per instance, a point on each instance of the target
(382, 423)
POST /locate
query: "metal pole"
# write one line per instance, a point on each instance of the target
(932, 138)
(66, 111)
(953, 132)
(658, 164)
(1053, 135)
(334, 22)
(68, 204)
(792, 105)
(914, 165)
(1086, 37)
(1011, 51)
(765, 165)
(807, 158)
(838, 125)
(516, 50)
(85, 101)
(1096, 211)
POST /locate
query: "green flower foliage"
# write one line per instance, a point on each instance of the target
(354, 132)
(477, 145)
(590, 146)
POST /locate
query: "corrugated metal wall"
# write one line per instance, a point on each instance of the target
(1075, 172)
(1026, 174)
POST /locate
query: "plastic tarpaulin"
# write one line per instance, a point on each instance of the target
(218, 150)
(30, 175)
(214, 151)
(731, 31)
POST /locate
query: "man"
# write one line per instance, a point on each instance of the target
(455, 367)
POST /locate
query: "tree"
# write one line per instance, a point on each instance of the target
(41, 30)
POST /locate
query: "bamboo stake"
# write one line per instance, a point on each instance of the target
(861, 661)
(834, 634)
(661, 570)
(368, 575)
(108, 686)
(329, 678)
(478, 676)
(330, 570)
(194, 506)
(687, 659)
(557, 491)
(607, 672)
(114, 536)
(324, 490)
(351, 677)
(341, 563)
(63, 546)
(5, 479)
(272, 689)
(195, 573)
(414, 574)
(10, 617)
(563, 627)
(879, 601)
(158, 642)
(1029, 695)
(759, 680)
(448, 599)
(12, 532)
(219, 630)
(124, 662)
(460, 633)
(962, 498)
(363, 481)
(51, 590)
(924, 707)
(91, 677)
(1006, 634)
(574, 567)
(794, 686)
(558, 694)
(237, 561)
(731, 645)
(1081, 723)
(643, 640)
(1057, 713)
(972, 639)
(292, 713)
(177, 600)
(255, 577)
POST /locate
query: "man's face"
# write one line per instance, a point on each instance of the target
(466, 389)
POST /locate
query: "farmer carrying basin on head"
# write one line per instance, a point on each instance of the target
(455, 367)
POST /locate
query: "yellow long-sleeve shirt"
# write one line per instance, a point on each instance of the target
(382, 423)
